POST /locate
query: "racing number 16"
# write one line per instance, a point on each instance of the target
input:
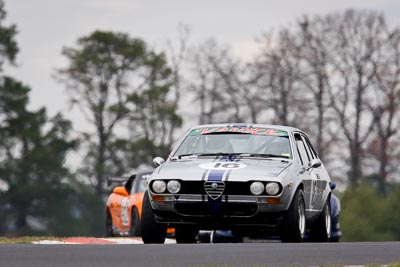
(229, 165)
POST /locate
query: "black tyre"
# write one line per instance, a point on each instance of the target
(185, 234)
(152, 232)
(214, 238)
(109, 225)
(321, 229)
(334, 239)
(293, 226)
(135, 229)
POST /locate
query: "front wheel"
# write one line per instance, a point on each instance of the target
(152, 232)
(293, 226)
(109, 225)
(321, 229)
(135, 223)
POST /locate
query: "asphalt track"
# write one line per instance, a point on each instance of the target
(246, 254)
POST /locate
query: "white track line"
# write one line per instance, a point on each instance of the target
(117, 241)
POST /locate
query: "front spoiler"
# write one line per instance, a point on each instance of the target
(223, 213)
(209, 222)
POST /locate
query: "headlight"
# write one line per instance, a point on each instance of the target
(272, 188)
(173, 186)
(256, 188)
(159, 186)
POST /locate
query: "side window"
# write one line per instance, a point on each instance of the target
(301, 148)
(308, 149)
(313, 152)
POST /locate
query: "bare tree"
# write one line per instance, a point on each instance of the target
(277, 76)
(315, 62)
(384, 105)
(207, 82)
(252, 99)
(177, 57)
(356, 53)
(335, 76)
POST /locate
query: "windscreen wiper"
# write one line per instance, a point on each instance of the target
(263, 155)
(208, 154)
(255, 155)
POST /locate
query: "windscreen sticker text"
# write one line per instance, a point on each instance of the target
(243, 130)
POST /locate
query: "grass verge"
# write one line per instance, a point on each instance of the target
(27, 239)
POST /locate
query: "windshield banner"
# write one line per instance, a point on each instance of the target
(241, 130)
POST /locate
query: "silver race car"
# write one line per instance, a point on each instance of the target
(254, 180)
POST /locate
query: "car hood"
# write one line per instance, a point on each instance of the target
(242, 169)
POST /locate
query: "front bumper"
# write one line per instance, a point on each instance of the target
(223, 213)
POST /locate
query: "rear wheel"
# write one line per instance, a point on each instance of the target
(152, 232)
(294, 223)
(135, 223)
(109, 225)
(185, 234)
(321, 229)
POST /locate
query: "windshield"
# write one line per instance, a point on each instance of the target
(231, 140)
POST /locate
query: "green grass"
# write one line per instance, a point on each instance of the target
(26, 239)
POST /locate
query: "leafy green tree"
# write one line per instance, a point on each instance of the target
(38, 194)
(96, 78)
(35, 182)
(112, 77)
(78, 212)
(8, 45)
(392, 213)
(363, 215)
(153, 114)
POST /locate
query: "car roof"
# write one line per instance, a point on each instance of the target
(248, 125)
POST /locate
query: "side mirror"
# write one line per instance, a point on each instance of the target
(157, 161)
(315, 163)
(332, 185)
(121, 190)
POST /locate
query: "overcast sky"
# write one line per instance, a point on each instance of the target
(45, 26)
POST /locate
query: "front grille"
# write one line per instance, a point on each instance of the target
(227, 209)
(233, 188)
(196, 208)
(192, 187)
(239, 209)
(214, 189)
(238, 188)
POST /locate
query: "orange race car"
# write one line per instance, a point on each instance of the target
(124, 205)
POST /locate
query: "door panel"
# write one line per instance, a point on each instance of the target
(319, 178)
(119, 212)
(308, 179)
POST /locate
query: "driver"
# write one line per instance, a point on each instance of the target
(217, 144)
